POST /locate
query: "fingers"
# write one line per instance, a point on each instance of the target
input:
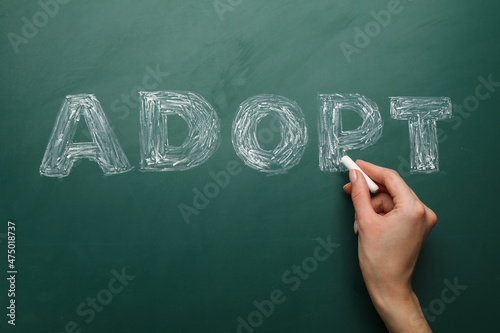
(390, 179)
(360, 195)
(347, 188)
(382, 203)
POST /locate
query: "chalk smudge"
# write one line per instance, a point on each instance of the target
(201, 142)
(62, 152)
(294, 137)
(422, 114)
(334, 142)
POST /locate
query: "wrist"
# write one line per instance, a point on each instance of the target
(400, 311)
(384, 296)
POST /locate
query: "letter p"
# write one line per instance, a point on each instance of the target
(333, 140)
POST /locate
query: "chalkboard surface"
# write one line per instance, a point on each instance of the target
(223, 246)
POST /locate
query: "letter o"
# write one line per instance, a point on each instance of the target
(109, 296)
(294, 138)
(43, 16)
(260, 319)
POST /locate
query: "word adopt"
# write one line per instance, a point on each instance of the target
(204, 135)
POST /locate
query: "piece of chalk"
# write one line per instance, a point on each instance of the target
(350, 164)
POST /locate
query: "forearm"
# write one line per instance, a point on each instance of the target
(392, 227)
(401, 314)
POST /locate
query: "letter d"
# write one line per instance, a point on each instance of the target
(383, 17)
(243, 324)
(262, 307)
(51, 7)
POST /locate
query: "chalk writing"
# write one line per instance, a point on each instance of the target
(334, 142)
(422, 114)
(293, 127)
(202, 140)
(104, 149)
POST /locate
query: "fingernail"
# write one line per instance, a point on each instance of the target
(345, 185)
(352, 176)
(356, 227)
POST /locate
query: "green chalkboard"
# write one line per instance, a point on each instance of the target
(222, 246)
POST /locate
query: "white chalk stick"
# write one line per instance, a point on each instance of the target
(350, 164)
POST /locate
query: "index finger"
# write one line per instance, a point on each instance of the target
(390, 179)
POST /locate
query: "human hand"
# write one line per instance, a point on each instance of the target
(392, 228)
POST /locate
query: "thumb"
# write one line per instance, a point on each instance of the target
(360, 195)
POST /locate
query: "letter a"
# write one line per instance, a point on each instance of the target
(62, 152)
